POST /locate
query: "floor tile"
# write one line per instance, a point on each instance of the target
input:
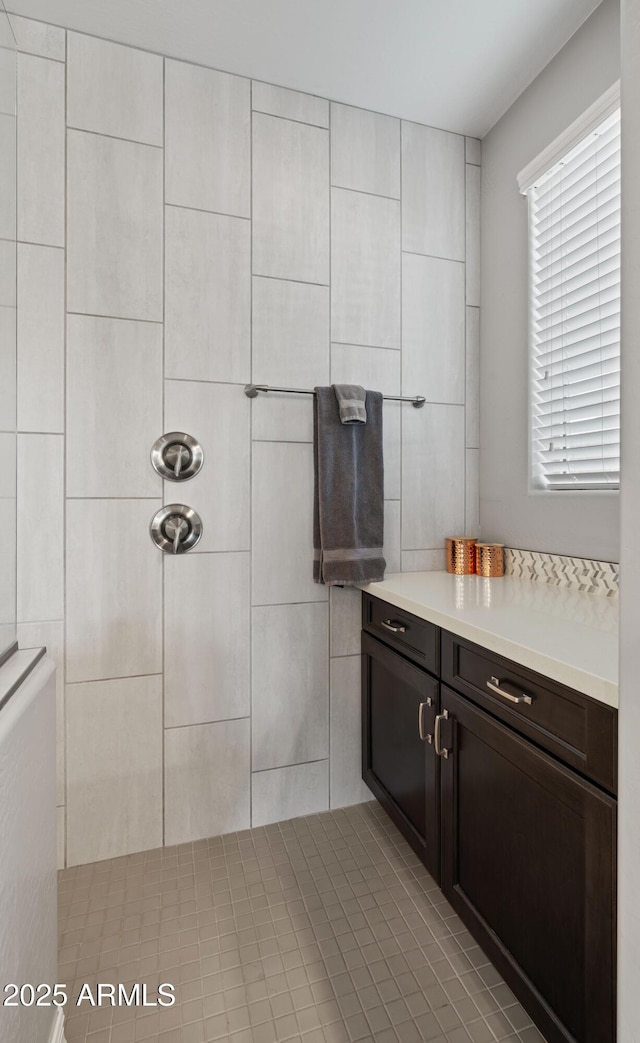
(320, 929)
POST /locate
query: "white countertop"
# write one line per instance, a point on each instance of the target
(560, 632)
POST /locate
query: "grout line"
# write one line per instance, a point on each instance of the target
(401, 483)
(202, 210)
(290, 604)
(111, 137)
(330, 347)
(296, 764)
(289, 119)
(65, 474)
(163, 407)
(201, 724)
(434, 257)
(250, 591)
(106, 680)
(115, 318)
(363, 192)
(369, 347)
(279, 278)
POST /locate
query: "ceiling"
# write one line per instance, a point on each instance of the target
(455, 64)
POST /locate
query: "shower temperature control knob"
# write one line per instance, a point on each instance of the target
(177, 456)
(176, 528)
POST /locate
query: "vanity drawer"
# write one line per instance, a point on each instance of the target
(415, 638)
(578, 730)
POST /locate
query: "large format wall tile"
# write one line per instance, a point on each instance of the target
(290, 347)
(218, 416)
(433, 192)
(293, 105)
(391, 548)
(433, 464)
(7, 369)
(114, 90)
(345, 613)
(46, 41)
(473, 235)
(114, 227)
(379, 369)
(8, 544)
(290, 696)
(282, 525)
(40, 549)
(472, 394)
(51, 636)
(114, 406)
(207, 780)
(7, 273)
(114, 768)
(365, 269)
(472, 492)
(285, 793)
(41, 150)
(346, 785)
(114, 590)
(40, 338)
(7, 176)
(365, 151)
(423, 560)
(208, 296)
(433, 328)
(207, 139)
(290, 200)
(206, 638)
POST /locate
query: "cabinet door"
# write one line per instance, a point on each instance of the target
(399, 704)
(528, 854)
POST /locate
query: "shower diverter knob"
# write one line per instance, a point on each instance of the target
(177, 456)
(176, 528)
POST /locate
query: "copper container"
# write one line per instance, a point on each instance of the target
(490, 559)
(461, 555)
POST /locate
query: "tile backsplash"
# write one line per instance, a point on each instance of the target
(591, 577)
(201, 231)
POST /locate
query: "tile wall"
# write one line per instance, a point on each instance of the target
(183, 231)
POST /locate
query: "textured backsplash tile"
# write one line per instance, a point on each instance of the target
(592, 577)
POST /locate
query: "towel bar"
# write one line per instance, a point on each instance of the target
(251, 391)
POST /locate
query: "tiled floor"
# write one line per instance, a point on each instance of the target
(324, 929)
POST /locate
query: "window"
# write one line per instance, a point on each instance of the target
(573, 191)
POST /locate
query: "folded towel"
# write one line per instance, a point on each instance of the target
(351, 401)
(348, 508)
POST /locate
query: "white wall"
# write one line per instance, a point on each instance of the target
(584, 524)
(629, 714)
(28, 903)
(301, 243)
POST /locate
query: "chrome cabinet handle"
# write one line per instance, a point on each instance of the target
(421, 732)
(496, 685)
(441, 751)
(394, 627)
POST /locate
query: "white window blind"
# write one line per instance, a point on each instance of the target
(574, 227)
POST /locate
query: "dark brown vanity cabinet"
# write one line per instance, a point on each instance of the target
(399, 764)
(519, 799)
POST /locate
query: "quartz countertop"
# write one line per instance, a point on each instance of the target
(562, 633)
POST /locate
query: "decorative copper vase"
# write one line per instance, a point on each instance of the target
(490, 559)
(461, 555)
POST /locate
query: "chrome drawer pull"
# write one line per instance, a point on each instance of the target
(441, 751)
(421, 732)
(394, 627)
(494, 683)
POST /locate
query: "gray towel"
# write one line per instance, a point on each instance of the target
(348, 508)
(351, 402)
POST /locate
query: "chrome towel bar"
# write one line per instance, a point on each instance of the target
(252, 390)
